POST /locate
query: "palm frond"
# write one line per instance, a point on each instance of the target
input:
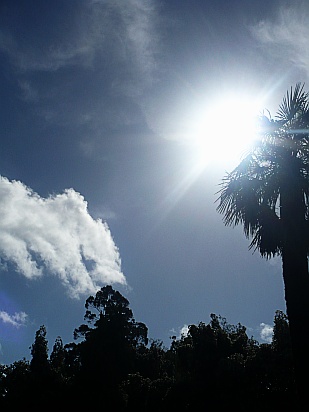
(293, 104)
(268, 236)
(251, 195)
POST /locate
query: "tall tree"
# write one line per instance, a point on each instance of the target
(268, 193)
(111, 338)
(57, 357)
(39, 364)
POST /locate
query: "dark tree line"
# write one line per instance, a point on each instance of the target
(111, 365)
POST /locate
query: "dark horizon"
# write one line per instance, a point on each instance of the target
(113, 363)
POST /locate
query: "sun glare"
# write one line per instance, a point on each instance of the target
(226, 131)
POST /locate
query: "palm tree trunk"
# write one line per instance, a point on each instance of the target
(296, 283)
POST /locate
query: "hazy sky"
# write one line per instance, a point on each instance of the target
(101, 177)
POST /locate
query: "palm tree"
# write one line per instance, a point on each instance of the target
(268, 193)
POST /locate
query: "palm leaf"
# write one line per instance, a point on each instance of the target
(293, 104)
(250, 195)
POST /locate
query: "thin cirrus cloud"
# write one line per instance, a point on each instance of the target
(116, 38)
(56, 235)
(119, 31)
(287, 35)
(17, 319)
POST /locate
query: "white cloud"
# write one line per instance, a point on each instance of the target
(184, 330)
(56, 234)
(287, 36)
(266, 332)
(17, 320)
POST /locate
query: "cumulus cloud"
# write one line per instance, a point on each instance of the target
(17, 320)
(56, 235)
(287, 35)
(266, 332)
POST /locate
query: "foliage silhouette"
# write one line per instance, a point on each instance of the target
(107, 353)
(214, 366)
(39, 364)
(268, 193)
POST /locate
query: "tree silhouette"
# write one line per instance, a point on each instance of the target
(268, 193)
(57, 357)
(210, 367)
(111, 338)
(39, 364)
(15, 384)
(213, 367)
(40, 371)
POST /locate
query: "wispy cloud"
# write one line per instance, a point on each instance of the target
(266, 332)
(117, 31)
(28, 57)
(113, 44)
(56, 235)
(17, 319)
(140, 35)
(287, 35)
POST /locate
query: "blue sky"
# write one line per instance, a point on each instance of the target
(101, 180)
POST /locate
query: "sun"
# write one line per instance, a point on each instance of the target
(226, 130)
